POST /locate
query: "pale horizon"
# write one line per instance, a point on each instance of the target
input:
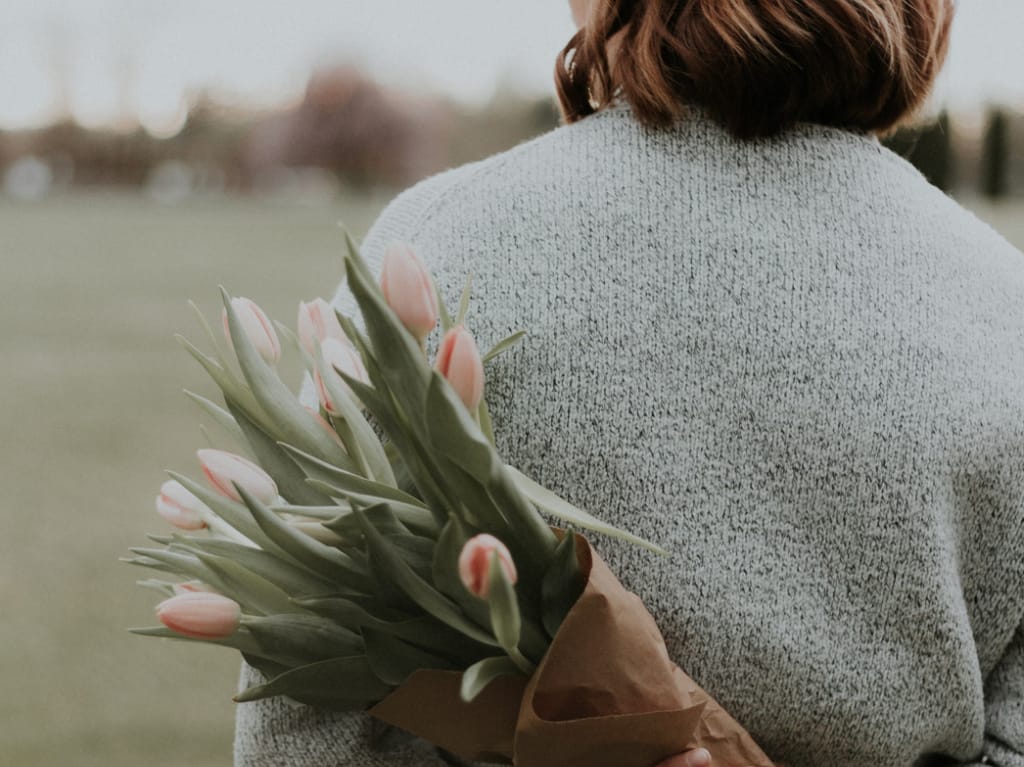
(111, 61)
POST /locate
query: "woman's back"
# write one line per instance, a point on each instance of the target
(796, 366)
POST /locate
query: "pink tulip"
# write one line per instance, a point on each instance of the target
(179, 507)
(318, 322)
(475, 563)
(224, 470)
(337, 356)
(459, 361)
(257, 327)
(200, 615)
(408, 290)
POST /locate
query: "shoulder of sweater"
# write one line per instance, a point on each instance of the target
(414, 208)
(950, 215)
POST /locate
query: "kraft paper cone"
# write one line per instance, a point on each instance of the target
(606, 694)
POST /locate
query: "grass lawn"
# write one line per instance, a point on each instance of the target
(92, 290)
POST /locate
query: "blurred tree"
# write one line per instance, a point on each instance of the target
(995, 158)
(929, 148)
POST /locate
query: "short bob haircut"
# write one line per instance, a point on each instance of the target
(758, 66)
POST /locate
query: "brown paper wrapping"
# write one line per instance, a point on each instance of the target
(606, 694)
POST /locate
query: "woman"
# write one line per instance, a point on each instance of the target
(765, 342)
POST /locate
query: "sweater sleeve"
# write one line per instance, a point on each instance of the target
(1004, 709)
(277, 731)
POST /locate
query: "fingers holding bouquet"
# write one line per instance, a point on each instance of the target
(697, 757)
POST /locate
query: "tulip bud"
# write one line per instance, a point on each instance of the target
(337, 356)
(475, 563)
(224, 470)
(257, 327)
(317, 323)
(459, 361)
(179, 507)
(408, 290)
(200, 615)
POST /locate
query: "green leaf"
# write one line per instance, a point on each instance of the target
(563, 583)
(290, 577)
(222, 418)
(233, 513)
(394, 660)
(293, 340)
(562, 509)
(476, 678)
(538, 542)
(409, 518)
(291, 482)
(150, 563)
(297, 640)
(452, 430)
(222, 376)
(353, 255)
(445, 571)
(163, 587)
(346, 480)
(182, 563)
(350, 612)
(415, 551)
(504, 607)
(396, 352)
(483, 416)
(418, 590)
(447, 323)
(361, 441)
(240, 640)
(339, 684)
(318, 557)
(215, 340)
(291, 422)
(408, 453)
(504, 345)
(323, 513)
(246, 587)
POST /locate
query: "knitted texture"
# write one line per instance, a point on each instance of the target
(796, 366)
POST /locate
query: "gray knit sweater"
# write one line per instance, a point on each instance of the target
(794, 364)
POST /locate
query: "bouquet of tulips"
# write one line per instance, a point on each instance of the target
(375, 553)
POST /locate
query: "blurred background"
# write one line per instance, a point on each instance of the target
(151, 150)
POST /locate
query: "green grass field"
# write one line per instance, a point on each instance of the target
(92, 290)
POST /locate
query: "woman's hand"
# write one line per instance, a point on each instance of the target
(698, 757)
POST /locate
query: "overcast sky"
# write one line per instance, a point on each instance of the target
(111, 58)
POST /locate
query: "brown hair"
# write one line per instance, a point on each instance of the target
(758, 66)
